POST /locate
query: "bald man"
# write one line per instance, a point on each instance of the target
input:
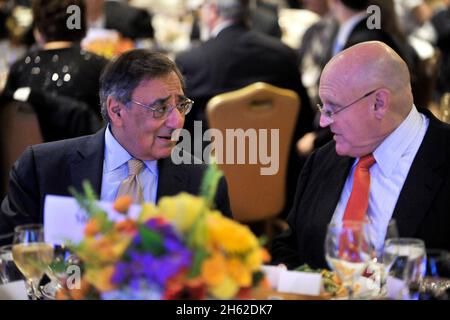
(368, 105)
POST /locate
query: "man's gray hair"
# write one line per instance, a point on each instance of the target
(236, 10)
(124, 74)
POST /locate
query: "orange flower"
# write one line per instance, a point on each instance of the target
(80, 293)
(239, 273)
(123, 203)
(214, 270)
(92, 228)
(126, 226)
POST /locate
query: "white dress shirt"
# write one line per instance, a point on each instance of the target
(115, 170)
(345, 30)
(394, 157)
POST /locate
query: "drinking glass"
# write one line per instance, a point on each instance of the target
(8, 269)
(57, 269)
(349, 250)
(391, 232)
(405, 258)
(31, 254)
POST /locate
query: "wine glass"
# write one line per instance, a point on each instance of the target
(31, 254)
(348, 250)
(405, 258)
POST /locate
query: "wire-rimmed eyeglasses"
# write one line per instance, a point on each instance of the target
(162, 111)
(329, 114)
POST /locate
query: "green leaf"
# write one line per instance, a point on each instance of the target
(151, 241)
(210, 183)
(198, 258)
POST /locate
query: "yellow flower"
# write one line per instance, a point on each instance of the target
(181, 210)
(227, 289)
(230, 235)
(148, 211)
(239, 273)
(104, 250)
(254, 259)
(101, 278)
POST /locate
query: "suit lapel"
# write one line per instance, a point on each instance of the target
(88, 162)
(172, 179)
(336, 175)
(423, 181)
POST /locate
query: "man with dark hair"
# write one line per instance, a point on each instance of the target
(144, 103)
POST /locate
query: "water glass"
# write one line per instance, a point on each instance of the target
(8, 269)
(405, 260)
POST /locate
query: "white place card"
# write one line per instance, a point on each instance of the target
(272, 274)
(306, 283)
(13, 291)
(64, 220)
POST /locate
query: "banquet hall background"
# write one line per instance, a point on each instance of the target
(64, 97)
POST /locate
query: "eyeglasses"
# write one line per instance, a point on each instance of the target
(162, 111)
(329, 114)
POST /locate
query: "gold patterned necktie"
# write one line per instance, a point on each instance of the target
(131, 186)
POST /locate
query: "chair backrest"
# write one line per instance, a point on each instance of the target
(444, 108)
(260, 111)
(19, 128)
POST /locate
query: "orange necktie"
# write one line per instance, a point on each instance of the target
(359, 198)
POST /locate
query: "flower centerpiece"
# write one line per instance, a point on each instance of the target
(179, 248)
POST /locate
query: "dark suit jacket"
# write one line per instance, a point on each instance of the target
(131, 22)
(51, 168)
(422, 209)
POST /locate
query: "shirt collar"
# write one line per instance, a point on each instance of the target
(116, 155)
(391, 150)
(221, 26)
(347, 27)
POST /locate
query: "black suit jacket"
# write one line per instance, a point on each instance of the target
(131, 22)
(422, 209)
(51, 168)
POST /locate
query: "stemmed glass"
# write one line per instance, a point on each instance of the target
(31, 254)
(385, 266)
(348, 250)
(8, 269)
(405, 258)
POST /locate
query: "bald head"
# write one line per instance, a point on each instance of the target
(367, 88)
(370, 65)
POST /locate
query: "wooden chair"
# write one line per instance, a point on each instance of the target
(444, 108)
(255, 197)
(19, 128)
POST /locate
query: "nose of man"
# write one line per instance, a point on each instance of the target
(175, 119)
(325, 121)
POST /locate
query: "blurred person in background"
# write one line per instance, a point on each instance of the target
(131, 22)
(57, 68)
(441, 23)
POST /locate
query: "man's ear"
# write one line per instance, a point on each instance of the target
(114, 108)
(382, 103)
